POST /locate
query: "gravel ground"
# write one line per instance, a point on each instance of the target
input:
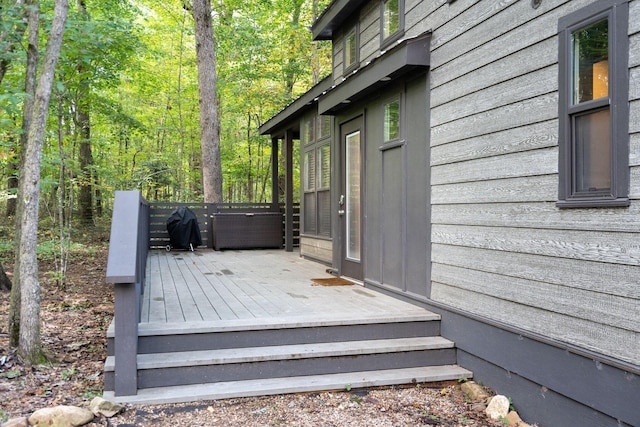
(425, 404)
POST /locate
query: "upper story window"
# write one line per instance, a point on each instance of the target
(391, 20)
(392, 120)
(593, 107)
(351, 49)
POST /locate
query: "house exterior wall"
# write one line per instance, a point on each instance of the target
(501, 248)
(396, 196)
(316, 249)
(541, 301)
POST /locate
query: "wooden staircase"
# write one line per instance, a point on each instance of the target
(227, 359)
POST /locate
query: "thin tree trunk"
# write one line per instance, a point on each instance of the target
(250, 192)
(29, 194)
(27, 110)
(85, 156)
(209, 115)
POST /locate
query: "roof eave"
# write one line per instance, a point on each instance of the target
(409, 56)
(333, 17)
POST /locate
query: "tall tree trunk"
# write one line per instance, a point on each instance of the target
(85, 156)
(29, 194)
(27, 110)
(290, 75)
(209, 115)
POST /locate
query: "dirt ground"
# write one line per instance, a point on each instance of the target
(74, 323)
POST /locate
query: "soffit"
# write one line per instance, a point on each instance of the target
(333, 17)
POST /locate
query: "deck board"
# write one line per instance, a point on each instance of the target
(253, 285)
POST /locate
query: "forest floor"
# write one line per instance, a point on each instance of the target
(74, 322)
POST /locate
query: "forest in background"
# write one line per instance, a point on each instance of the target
(124, 108)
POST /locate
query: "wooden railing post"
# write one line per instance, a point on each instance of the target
(128, 247)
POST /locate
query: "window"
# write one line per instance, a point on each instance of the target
(391, 20)
(324, 127)
(351, 50)
(309, 168)
(309, 190)
(593, 108)
(316, 179)
(324, 194)
(392, 120)
(324, 167)
(307, 134)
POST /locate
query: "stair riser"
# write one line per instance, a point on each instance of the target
(252, 338)
(287, 368)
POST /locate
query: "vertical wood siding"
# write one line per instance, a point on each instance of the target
(500, 247)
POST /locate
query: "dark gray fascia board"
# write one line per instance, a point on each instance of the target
(333, 17)
(408, 56)
(295, 109)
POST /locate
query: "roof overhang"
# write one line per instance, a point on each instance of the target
(408, 56)
(282, 120)
(333, 17)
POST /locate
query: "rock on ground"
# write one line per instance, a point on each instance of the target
(61, 416)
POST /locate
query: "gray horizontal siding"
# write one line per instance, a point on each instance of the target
(583, 333)
(520, 63)
(539, 215)
(538, 162)
(501, 249)
(530, 85)
(524, 138)
(605, 247)
(620, 280)
(509, 116)
(369, 32)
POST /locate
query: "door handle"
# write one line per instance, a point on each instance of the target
(341, 212)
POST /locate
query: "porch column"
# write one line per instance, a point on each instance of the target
(288, 239)
(275, 189)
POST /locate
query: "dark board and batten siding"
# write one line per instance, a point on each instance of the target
(501, 248)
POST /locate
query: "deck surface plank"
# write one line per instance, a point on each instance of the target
(255, 285)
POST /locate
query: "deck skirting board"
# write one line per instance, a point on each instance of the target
(573, 387)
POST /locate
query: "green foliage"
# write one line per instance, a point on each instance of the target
(131, 64)
(67, 374)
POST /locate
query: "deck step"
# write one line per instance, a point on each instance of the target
(193, 367)
(299, 384)
(165, 338)
(289, 352)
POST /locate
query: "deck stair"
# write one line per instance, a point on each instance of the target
(227, 359)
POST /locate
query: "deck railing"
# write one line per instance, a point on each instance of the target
(128, 248)
(160, 211)
(137, 226)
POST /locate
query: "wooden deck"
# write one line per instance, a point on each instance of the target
(254, 286)
(223, 324)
